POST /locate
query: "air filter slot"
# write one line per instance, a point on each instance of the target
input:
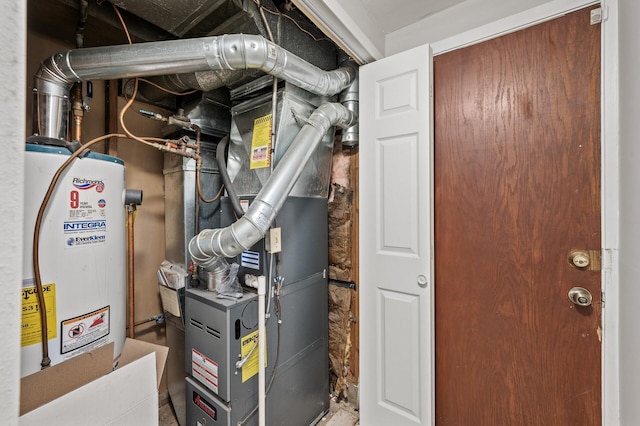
(196, 324)
(212, 331)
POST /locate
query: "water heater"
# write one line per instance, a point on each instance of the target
(82, 255)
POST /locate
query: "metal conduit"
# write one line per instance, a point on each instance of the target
(210, 245)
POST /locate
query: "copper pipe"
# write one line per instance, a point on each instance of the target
(131, 209)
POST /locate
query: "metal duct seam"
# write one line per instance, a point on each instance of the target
(211, 244)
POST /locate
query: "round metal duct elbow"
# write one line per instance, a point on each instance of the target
(211, 244)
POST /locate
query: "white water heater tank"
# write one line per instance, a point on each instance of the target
(82, 256)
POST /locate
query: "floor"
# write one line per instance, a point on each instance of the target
(167, 415)
(340, 414)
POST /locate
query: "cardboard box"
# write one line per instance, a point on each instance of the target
(85, 391)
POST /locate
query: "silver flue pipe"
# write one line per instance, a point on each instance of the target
(227, 52)
(209, 248)
(350, 98)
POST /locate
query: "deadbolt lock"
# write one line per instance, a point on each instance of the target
(585, 259)
(580, 259)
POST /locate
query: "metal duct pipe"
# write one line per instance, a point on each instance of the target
(50, 107)
(350, 98)
(211, 244)
(226, 52)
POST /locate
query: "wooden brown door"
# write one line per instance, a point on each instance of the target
(517, 187)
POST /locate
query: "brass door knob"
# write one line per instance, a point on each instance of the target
(580, 296)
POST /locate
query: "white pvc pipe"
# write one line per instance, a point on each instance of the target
(261, 344)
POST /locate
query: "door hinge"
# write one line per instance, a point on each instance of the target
(597, 16)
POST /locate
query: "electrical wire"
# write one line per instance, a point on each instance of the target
(124, 26)
(264, 20)
(126, 31)
(274, 91)
(274, 109)
(135, 86)
(292, 20)
(135, 89)
(164, 89)
(134, 137)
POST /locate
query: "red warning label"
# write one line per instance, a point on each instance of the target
(205, 370)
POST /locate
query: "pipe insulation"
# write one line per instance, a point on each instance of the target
(57, 73)
(211, 244)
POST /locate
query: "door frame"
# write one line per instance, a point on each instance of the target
(609, 141)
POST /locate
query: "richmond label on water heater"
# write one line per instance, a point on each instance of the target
(86, 218)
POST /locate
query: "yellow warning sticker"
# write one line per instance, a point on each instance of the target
(261, 143)
(250, 349)
(31, 326)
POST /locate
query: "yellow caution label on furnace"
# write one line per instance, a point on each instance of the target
(250, 348)
(261, 143)
(31, 327)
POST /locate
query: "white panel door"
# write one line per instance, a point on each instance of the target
(396, 244)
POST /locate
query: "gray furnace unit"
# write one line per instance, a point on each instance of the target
(221, 334)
